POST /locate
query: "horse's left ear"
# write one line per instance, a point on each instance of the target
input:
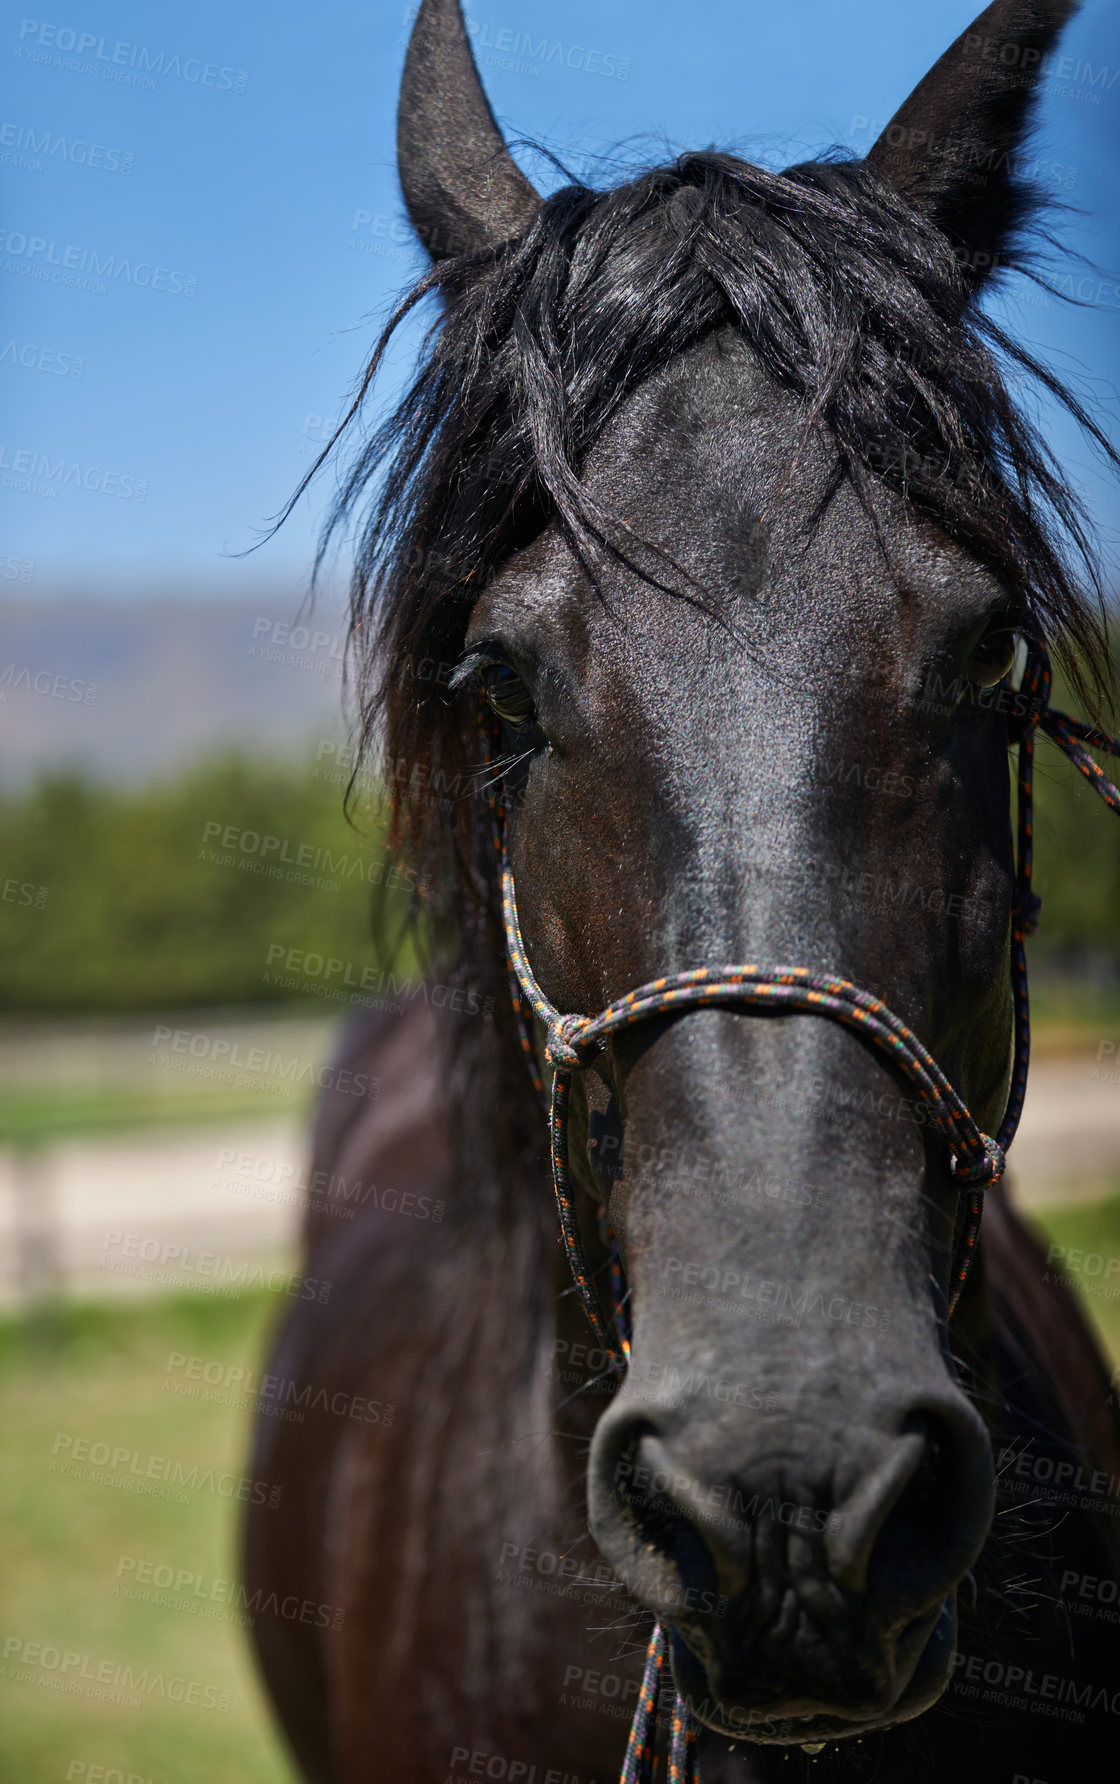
(952, 146)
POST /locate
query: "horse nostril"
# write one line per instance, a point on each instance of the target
(854, 1530)
(915, 1524)
(665, 1521)
(642, 1519)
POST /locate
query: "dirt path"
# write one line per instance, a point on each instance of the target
(182, 1208)
(212, 1207)
(1068, 1144)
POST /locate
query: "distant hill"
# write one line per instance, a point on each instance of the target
(126, 690)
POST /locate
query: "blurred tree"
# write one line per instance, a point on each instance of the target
(183, 893)
(1077, 860)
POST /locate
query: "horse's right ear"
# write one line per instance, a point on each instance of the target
(463, 189)
(952, 146)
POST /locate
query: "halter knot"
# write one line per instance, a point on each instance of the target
(985, 1170)
(558, 1046)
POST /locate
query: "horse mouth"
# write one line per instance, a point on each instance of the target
(923, 1659)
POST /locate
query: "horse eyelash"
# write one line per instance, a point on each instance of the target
(470, 668)
(464, 673)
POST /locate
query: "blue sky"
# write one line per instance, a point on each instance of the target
(247, 194)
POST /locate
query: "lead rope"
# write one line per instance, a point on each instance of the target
(976, 1159)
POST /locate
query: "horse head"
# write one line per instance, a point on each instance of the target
(720, 501)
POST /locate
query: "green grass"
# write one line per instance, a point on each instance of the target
(41, 1115)
(1068, 1019)
(1092, 1228)
(97, 1372)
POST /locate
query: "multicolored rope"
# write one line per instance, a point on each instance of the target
(641, 1748)
(640, 1763)
(976, 1159)
(684, 1760)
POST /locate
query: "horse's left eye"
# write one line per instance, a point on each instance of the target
(507, 694)
(993, 657)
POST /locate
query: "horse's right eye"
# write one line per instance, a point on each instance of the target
(507, 695)
(993, 657)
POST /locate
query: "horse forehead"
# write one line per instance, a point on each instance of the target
(712, 461)
(709, 411)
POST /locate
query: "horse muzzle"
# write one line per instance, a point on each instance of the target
(806, 1567)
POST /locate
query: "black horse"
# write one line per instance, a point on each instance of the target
(711, 494)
